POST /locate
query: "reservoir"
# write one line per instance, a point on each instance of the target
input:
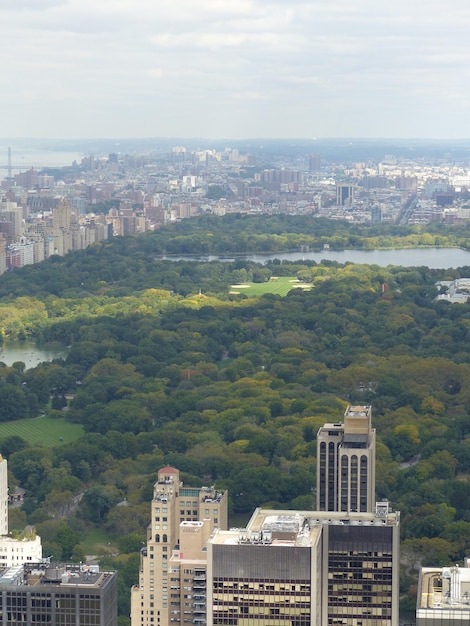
(435, 258)
(32, 354)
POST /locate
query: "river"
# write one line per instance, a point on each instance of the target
(435, 258)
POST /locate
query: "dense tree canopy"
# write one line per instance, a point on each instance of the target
(165, 366)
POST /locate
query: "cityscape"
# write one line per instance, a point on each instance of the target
(52, 211)
(234, 313)
(335, 563)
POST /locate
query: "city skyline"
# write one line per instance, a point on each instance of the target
(239, 68)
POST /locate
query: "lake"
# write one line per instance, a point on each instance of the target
(435, 258)
(30, 353)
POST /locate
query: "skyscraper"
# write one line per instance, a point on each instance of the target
(344, 194)
(346, 463)
(296, 568)
(332, 567)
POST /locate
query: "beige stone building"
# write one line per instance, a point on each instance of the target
(172, 576)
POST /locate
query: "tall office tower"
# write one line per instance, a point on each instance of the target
(172, 567)
(346, 463)
(443, 596)
(344, 194)
(314, 162)
(60, 595)
(296, 568)
(375, 215)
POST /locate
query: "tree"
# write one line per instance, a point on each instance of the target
(97, 502)
(13, 404)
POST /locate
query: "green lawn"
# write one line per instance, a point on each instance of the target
(45, 431)
(279, 285)
(97, 541)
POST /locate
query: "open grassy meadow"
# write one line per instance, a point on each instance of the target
(42, 431)
(278, 285)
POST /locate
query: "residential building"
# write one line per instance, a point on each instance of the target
(346, 463)
(61, 595)
(26, 548)
(182, 520)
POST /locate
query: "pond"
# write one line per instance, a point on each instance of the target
(30, 353)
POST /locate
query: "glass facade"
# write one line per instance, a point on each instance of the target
(261, 585)
(360, 576)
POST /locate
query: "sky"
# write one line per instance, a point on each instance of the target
(235, 68)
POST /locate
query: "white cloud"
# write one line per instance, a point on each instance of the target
(141, 67)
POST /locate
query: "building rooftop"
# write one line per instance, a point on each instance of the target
(442, 588)
(300, 528)
(41, 574)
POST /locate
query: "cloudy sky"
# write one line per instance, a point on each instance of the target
(235, 68)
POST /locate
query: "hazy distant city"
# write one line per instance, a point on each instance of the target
(51, 204)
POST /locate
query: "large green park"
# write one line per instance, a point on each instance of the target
(172, 363)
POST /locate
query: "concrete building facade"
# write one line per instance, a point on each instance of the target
(303, 567)
(37, 593)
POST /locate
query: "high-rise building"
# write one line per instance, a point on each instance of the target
(306, 567)
(3, 496)
(334, 567)
(443, 596)
(314, 162)
(375, 215)
(37, 593)
(173, 562)
(346, 463)
(344, 194)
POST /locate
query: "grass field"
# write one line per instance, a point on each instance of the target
(279, 285)
(98, 542)
(43, 431)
